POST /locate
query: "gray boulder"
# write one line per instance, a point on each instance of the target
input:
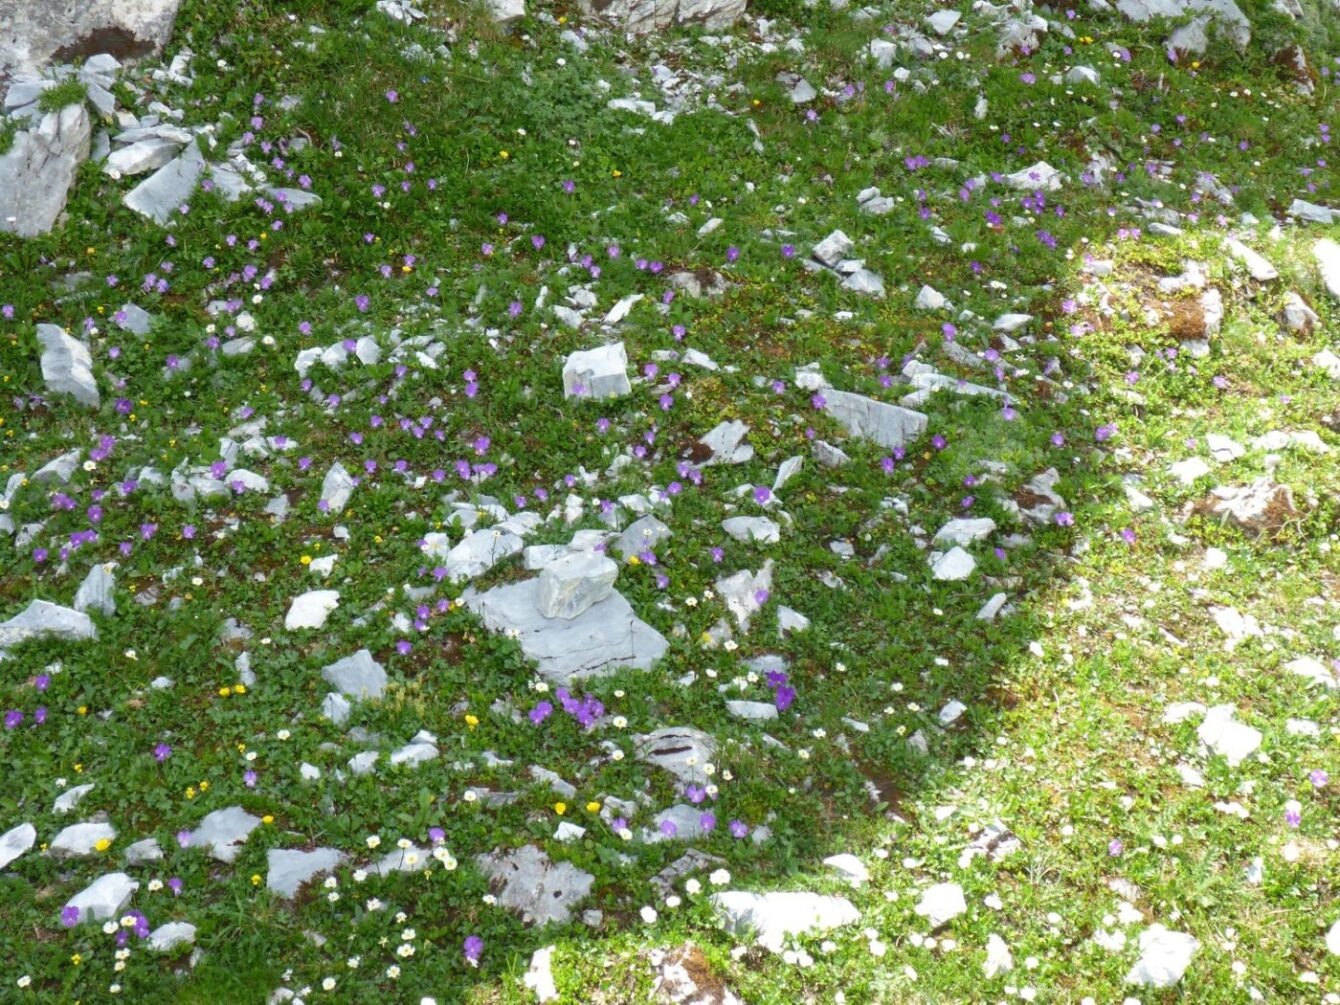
(163, 192)
(104, 898)
(42, 619)
(571, 585)
(637, 17)
(35, 32)
(540, 890)
(39, 167)
(67, 367)
(290, 869)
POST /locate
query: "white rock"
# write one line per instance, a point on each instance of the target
(752, 529)
(1257, 267)
(539, 976)
(289, 869)
(37, 170)
(1333, 940)
(833, 248)
(166, 938)
(998, 957)
(70, 798)
(942, 21)
(146, 155)
(1189, 470)
(160, 195)
(773, 918)
(311, 609)
(1327, 254)
(890, 426)
(42, 619)
(356, 676)
(929, 299)
(726, 441)
(851, 868)
(97, 592)
(1037, 176)
(1315, 671)
(574, 583)
(104, 898)
(965, 532)
(224, 831)
(80, 840)
(1223, 734)
(941, 903)
(598, 373)
(752, 710)
(15, 841)
(67, 367)
(952, 565)
(1164, 957)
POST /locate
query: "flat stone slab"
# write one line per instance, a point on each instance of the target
(1164, 957)
(42, 619)
(80, 840)
(67, 366)
(604, 636)
(166, 938)
(890, 426)
(290, 869)
(39, 167)
(541, 891)
(97, 592)
(39, 31)
(597, 373)
(15, 841)
(104, 898)
(160, 195)
(772, 918)
(573, 584)
(224, 831)
(358, 676)
(311, 609)
(680, 750)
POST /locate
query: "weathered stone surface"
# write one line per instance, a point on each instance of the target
(223, 832)
(726, 441)
(39, 167)
(477, 553)
(752, 710)
(146, 155)
(597, 373)
(15, 841)
(35, 32)
(541, 891)
(772, 918)
(641, 535)
(1258, 506)
(42, 619)
(1164, 957)
(166, 938)
(964, 532)
(104, 898)
(1191, 37)
(744, 593)
(1036, 176)
(571, 585)
(97, 592)
(67, 367)
(80, 840)
(507, 12)
(888, 425)
(144, 851)
(357, 676)
(336, 488)
(289, 869)
(1223, 734)
(310, 610)
(161, 194)
(70, 798)
(752, 529)
(953, 565)
(680, 750)
(604, 636)
(59, 470)
(636, 17)
(1327, 254)
(941, 903)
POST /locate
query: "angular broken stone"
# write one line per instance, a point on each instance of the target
(1327, 254)
(745, 593)
(773, 918)
(1221, 732)
(15, 841)
(604, 636)
(1164, 957)
(80, 840)
(1037, 176)
(224, 831)
(97, 592)
(964, 532)
(752, 529)
(289, 869)
(137, 158)
(357, 676)
(477, 553)
(67, 367)
(941, 903)
(752, 710)
(952, 565)
(833, 249)
(597, 373)
(1257, 267)
(104, 899)
(165, 191)
(166, 938)
(311, 609)
(1261, 505)
(726, 441)
(571, 585)
(541, 891)
(637, 17)
(680, 750)
(40, 165)
(890, 426)
(641, 535)
(42, 619)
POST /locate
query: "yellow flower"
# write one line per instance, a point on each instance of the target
(204, 786)
(376, 539)
(78, 769)
(593, 807)
(306, 560)
(634, 560)
(255, 879)
(504, 154)
(472, 721)
(76, 959)
(267, 819)
(190, 792)
(83, 710)
(102, 844)
(560, 808)
(241, 748)
(224, 692)
(239, 689)
(617, 173)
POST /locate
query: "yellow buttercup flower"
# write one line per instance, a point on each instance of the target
(560, 808)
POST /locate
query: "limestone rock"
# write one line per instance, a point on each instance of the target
(39, 167)
(290, 869)
(891, 426)
(160, 195)
(1164, 957)
(571, 585)
(166, 938)
(357, 676)
(15, 841)
(67, 367)
(597, 373)
(637, 17)
(772, 918)
(541, 891)
(223, 832)
(80, 840)
(37, 31)
(104, 898)
(311, 609)
(42, 619)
